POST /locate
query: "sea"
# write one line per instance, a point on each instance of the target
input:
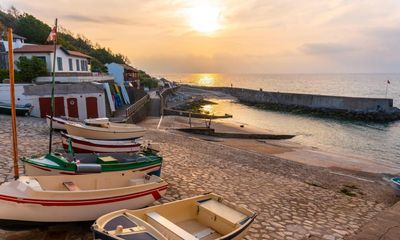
(379, 142)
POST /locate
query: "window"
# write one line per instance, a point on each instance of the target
(41, 58)
(59, 64)
(70, 64)
(83, 65)
(77, 65)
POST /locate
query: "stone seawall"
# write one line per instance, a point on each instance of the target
(379, 109)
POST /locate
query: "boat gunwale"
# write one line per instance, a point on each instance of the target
(84, 201)
(100, 129)
(154, 182)
(101, 143)
(72, 166)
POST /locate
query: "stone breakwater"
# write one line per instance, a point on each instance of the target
(293, 201)
(358, 108)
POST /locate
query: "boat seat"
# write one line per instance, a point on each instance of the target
(71, 186)
(170, 226)
(204, 233)
(221, 210)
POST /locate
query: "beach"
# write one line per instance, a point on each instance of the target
(293, 200)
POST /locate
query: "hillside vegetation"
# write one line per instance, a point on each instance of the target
(37, 32)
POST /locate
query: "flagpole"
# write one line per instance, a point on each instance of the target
(12, 98)
(52, 90)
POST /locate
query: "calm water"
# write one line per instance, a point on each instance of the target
(376, 141)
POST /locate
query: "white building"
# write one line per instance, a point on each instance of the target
(18, 42)
(83, 100)
(68, 63)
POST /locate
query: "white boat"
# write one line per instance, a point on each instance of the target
(59, 122)
(84, 145)
(203, 217)
(108, 131)
(69, 198)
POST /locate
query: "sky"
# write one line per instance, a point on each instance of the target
(236, 36)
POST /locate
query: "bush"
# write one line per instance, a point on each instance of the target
(147, 81)
(29, 69)
(3, 74)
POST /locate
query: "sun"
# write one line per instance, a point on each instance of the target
(204, 17)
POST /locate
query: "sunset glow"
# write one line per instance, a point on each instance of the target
(204, 17)
(232, 36)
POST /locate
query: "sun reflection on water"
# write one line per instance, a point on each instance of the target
(208, 109)
(206, 79)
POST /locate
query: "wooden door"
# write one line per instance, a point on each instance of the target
(72, 106)
(45, 106)
(91, 107)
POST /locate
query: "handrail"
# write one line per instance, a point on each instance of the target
(137, 105)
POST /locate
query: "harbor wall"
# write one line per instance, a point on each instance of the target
(313, 101)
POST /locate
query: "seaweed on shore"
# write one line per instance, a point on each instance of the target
(196, 106)
(380, 117)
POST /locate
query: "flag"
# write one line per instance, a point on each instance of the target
(53, 35)
(388, 81)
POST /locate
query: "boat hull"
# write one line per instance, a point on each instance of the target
(38, 210)
(101, 133)
(82, 145)
(19, 111)
(58, 123)
(25, 200)
(52, 164)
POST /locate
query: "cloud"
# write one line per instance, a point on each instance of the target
(100, 20)
(326, 48)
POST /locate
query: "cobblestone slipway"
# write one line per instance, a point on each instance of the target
(288, 206)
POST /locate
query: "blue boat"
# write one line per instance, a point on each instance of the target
(396, 184)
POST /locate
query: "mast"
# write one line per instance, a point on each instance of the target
(12, 98)
(52, 88)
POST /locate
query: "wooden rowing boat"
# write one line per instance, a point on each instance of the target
(70, 198)
(59, 122)
(203, 217)
(107, 131)
(84, 145)
(54, 164)
(21, 110)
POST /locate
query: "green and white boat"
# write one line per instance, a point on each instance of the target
(21, 110)
(85, 163)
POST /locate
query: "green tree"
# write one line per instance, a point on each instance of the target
(147, 80)
(31, 68)
(37, 32)
(32, 28)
